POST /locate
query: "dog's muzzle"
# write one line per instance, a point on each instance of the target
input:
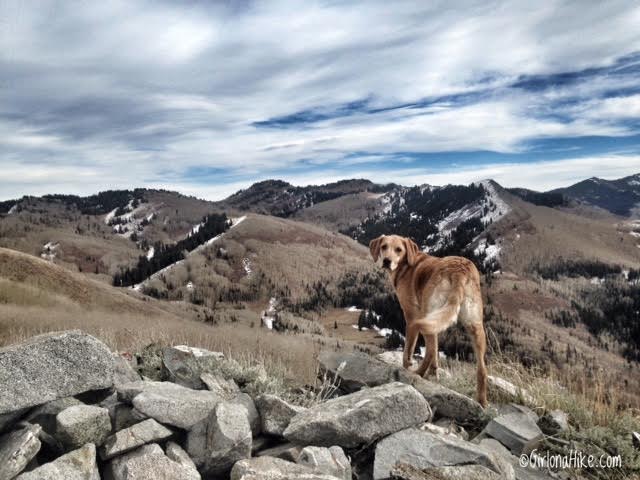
(386, 263)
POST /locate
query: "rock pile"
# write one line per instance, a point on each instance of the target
(70, 409)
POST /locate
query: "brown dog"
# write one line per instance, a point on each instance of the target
(434, 293)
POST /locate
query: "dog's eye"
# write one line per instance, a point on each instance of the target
(384, 247)
(398, 250)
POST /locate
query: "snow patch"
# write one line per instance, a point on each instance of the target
(269, 315)
(353, 308)
(246, 264)
(13, 209)
(49, 251)
(151, 253)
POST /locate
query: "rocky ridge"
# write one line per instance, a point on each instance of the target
(71, 409)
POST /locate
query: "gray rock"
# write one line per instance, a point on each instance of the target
(286, 451)
(275, 413)
(34, 369)
(79, 464)
(425, 450)
(504, 409)
(135, 436)
(45, 415)
(82, 424)
(331, 461)
(176, 453)
(269, 468)
(443, 401)
(124, 370)
(17, 448)
(405, 471)
(8, 420)
(216, 383)
(150, 463)
(124, 415)
(247, 402)
(509, 390)
(355, 370)
(521, 473)
(516, 431)
(196, 441)
(228, 439)
(184, 365)
(175, 405)
(359, 418)
(554, 422)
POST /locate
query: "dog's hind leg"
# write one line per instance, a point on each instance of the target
(430, 362)
(480, 348)
(410, 344)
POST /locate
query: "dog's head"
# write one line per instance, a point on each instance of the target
(394, 250)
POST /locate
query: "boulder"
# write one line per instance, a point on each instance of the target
(124, 371)
(247, 402)
(528, 472)
(173, 404)
(554, 422)
(445, 402)
(425, 450)
(17, 448)
(124, 415)
(509, 390)
(286, 451)
(275, 413)
(45, 415)
(135, 436)
(176, 453)
(331, 461)
(506, 408)
(184, 365)
(228, 439)
(359, 418)
(355, 370)
(269, 468)
(516, 431)
(224, 388)
(34, 369)
(82, 424)
(150, 462)
(406, 471)
(79, 464)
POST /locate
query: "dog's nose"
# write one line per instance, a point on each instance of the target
(386, 263)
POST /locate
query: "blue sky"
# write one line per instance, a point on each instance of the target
(208, 97)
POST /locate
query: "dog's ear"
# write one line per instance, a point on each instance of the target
(412, 251)
(374, 247)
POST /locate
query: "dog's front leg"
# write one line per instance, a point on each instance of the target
(410, 344)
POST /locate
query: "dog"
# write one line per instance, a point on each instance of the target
(434, 293)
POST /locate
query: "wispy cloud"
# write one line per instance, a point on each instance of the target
(132, 93)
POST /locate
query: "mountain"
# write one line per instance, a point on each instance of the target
(621, 196)
(281, 199)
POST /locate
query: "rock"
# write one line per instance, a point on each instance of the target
(331, 461)
(8, 420)
(150, 462)
(124, 370)
(175, 405)
(390, 357)
(247, 402)
(451, 427)
(184, 365)
(17, 448)
(509, 390)
(425, 450)
(521, 473)
(228, 439)
(34, 369)
(224, 388)
(356, 370)
(82, 424)
(443, 401)
(359, 418)
(405, 471)
(286, 451)
(269, 468)
(635, 437)
(516, 431)
(45, 415)
(124, 415)
(135, 436)
(275, 413)
(503, 409)
(79, 464)
(178, 455)
(554, 422)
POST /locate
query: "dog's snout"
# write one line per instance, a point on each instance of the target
(386, 263)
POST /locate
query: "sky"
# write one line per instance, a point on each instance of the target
(207, 97)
